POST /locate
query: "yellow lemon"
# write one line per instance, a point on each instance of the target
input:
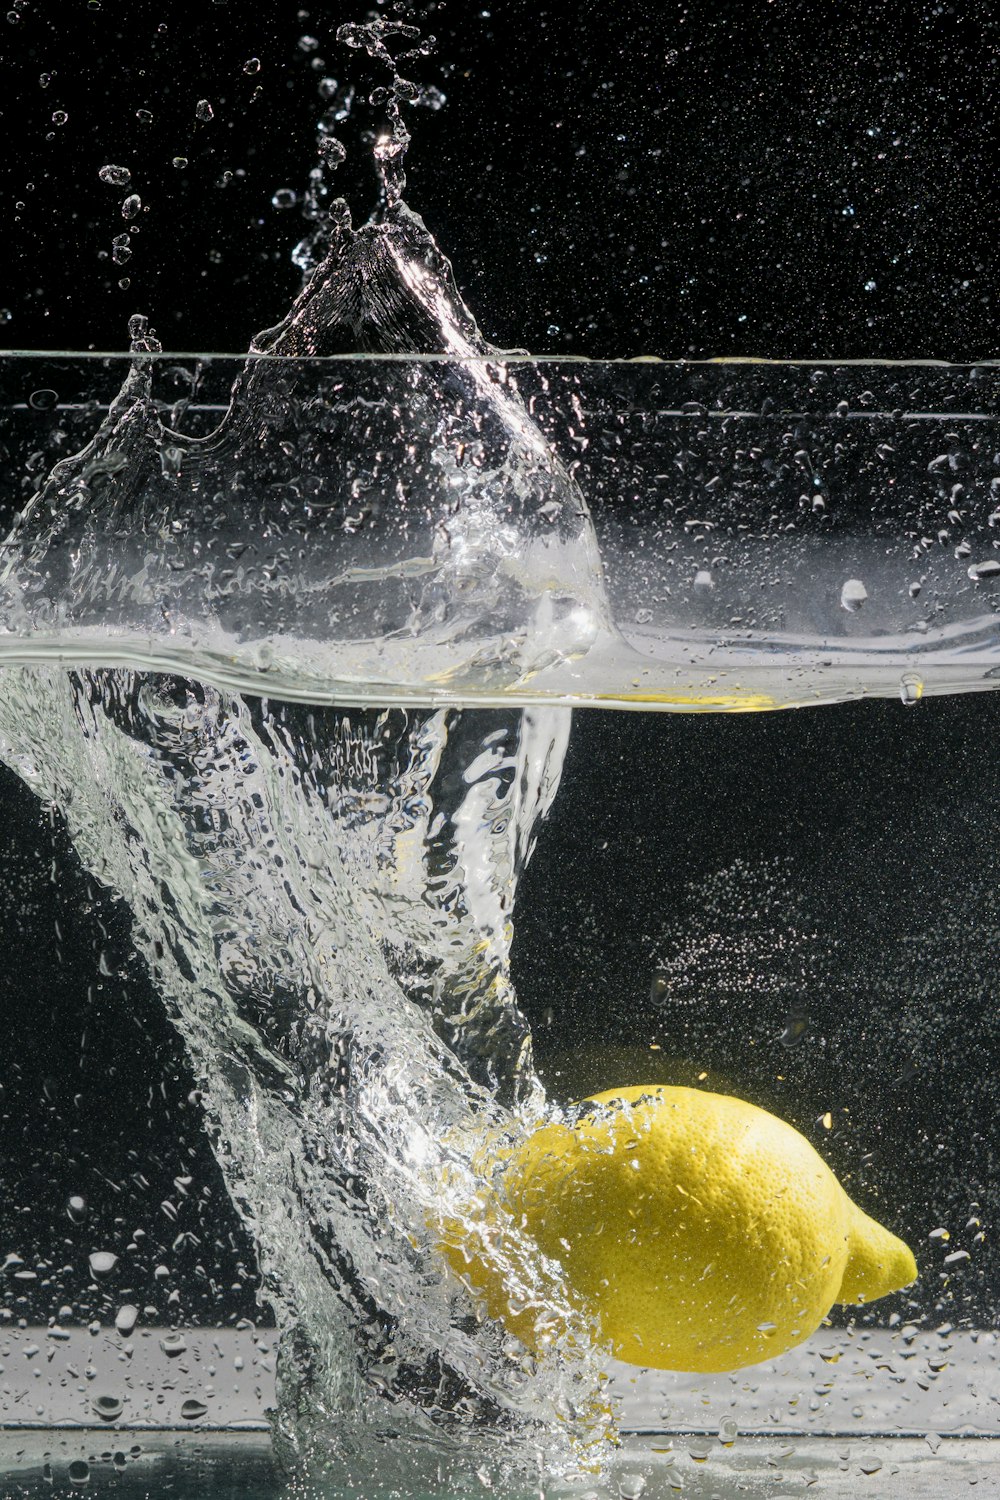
(696, 1231)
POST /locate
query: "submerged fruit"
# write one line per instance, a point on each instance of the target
(697, 1231)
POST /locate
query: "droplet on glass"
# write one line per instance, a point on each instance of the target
(102, 1262)
(911, 689)
(76, 1206)
(44, 400)
(853, 595)
(121, 249)
(192, 1410)
(126, 1318)
(108, 1408)
(115, 176)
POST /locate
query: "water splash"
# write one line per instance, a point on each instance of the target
(324, 896)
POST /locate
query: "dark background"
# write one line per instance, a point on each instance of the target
(802, 907)
(643, 176)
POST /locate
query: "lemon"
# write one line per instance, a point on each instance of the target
(697, 1231)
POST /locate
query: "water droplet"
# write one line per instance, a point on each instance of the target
(78, 1472)
(870, 1464)
(173, 1345)
(631, 1486)
(45, 79)
(6, 316)
(180, 161)
(108, 1408)
(76, 1207)
(144, 116)
(853, 595)
(308, 43)
(131, 206)
(767, 1329)
(102, 1262)
(203, 110)
(332, 151)
(121, 249)
(43, 400)
(728, 1431)
(703, 579)
(988, 569)
(911, 689)
(115, 176)
(126, 1318)
(252, 65)
(192, 1410)
(59, 117)
(284, 198)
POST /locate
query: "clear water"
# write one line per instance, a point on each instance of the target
(323, 893)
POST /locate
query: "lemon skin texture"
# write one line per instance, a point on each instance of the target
(700, 1232)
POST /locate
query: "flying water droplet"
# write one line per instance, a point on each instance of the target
(121, 249)
(284, 198)
(204, 111)
(252, 65)
(115, 176)
(173, 1345)
(59, 117)
(131, 206)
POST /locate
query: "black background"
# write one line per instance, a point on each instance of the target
(680, 179)
(801, 906)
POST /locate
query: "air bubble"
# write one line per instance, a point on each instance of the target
(115, 176)
(44, 400)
